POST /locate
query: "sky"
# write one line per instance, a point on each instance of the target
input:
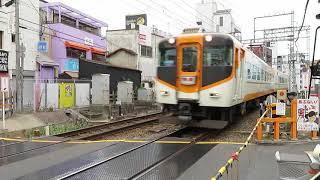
(175, 15)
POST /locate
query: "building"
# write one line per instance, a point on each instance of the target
(29, 36)
(204, 14)
(126, 49)
(71, 36)
(225, 23)
(214, 20)
(262, 52)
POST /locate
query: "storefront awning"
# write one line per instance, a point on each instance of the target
(77, 45)
(44, 60)
(98, 50)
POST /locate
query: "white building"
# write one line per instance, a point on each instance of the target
(29, 34)
(215, 20)
(125, 49)
(204, 14)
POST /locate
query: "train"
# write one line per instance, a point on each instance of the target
(206, 78)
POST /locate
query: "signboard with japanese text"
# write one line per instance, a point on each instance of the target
(308, 114)
(4, 55)
(88, 41)
(144, 37)
(133, 21)
(281, 109)
(43, 46)
(71, 65)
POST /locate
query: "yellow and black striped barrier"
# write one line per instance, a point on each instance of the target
(234, 156)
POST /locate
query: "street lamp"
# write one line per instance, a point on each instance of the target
(314, 69)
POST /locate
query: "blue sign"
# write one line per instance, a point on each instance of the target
(43, 46)
(71, 65)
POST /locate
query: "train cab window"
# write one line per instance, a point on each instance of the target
(189, 59)
(168, 57)
(217, 56)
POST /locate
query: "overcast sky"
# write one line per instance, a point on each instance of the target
(174, 15)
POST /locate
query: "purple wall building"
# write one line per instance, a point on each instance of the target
(71, 36)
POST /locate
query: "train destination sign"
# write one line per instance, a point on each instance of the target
(4, 61)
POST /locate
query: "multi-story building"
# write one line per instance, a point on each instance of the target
(126, 50)
(29, 36)
(71, 36)
(215, 20)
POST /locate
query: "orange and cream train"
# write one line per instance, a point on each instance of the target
(209, 77)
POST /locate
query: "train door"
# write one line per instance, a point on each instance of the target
(239, 56)
(237, 74)
(189, 71)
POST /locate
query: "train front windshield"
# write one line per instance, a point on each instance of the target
(217, 56)
(218, 52)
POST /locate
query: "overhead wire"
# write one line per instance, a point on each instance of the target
(303, 19)
(179, 22)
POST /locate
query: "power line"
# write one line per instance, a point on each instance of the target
(160, 12)
(171, 12)
(304, 16)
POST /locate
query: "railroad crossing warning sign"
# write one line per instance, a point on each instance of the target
(308, 114)
(282, 94)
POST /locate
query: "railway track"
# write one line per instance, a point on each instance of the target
(77, 173)
(90, 133)
(94, 132)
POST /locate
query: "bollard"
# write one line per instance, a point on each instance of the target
(259, 131)
(294, 134)
(314, 135)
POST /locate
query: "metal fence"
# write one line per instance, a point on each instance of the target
(52, 94)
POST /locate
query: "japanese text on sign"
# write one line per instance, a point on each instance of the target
(308, 114)
(4, 61)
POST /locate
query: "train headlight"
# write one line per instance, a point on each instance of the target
(164, 93)
(208, 38)
(214, 95)
(172, 40)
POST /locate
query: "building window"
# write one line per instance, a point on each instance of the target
(13, 38)
(221, 21)
(76, 53)
(88, 28)
(68, 21)
(98, 57)
(146, 51)
(1, 37)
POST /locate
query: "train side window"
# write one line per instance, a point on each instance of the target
(254, 72)
(249, 72)
(258, 73)
(168, 57)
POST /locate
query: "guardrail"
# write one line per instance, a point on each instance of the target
(235, 155)
(277, 120)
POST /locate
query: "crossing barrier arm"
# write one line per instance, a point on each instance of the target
(235, 155)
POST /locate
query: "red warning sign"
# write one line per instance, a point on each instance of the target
(282, 94)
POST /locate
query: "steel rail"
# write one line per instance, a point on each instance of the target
(87, 167)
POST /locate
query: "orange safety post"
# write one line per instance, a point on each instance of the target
(276, 135)
(259, 131)
(314, 135)
(294, 132)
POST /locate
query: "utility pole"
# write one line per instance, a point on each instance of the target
(19, 78)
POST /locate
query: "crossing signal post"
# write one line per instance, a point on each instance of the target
(315, 69)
